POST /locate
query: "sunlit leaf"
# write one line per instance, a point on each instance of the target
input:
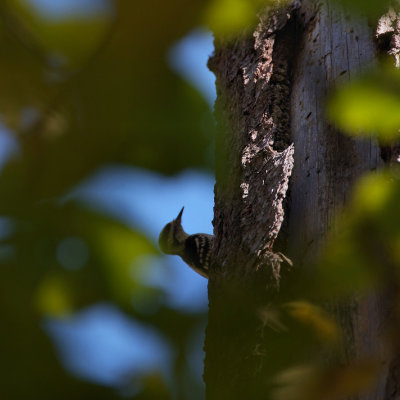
(373, 193)
(120, 250)
(313, 382)
(67, 42)
(53, 297)
(154, 387)
(361, 251)
(229, 17)
(350, 380)
(315, 317)
(346, 266)
(271, 318)
(296, 383)
(369, 105)
(344, 271)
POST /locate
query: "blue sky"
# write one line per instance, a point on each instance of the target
(101, 343)
(107, 352)
(103, 331)
(148, 200)
(64, 8)
(188, 57)
(114, 191)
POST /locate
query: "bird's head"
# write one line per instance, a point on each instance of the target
(172, 237)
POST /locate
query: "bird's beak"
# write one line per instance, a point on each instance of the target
(179, 217)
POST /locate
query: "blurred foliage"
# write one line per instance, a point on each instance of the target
(79, 92)
(313, 382)
(53, 297)
(363, 253)
(370, 8)
(315, 317)
(303, 335)
(369, 104)
(359, 262)
(228, 17)
(360, 259)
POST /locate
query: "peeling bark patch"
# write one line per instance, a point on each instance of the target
(268, 186)
(254, 79)
(388, 43)
(268, 150)
(388, 35)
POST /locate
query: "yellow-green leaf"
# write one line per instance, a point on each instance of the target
(53, 297)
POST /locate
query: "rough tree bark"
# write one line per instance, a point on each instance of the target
(281, 168)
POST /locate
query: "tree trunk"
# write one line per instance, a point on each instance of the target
(272, 84)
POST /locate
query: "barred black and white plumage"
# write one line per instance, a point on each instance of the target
(193, 249)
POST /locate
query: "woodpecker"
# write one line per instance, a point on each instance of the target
(193, 249)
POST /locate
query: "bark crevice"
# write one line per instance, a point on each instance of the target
(254, 163)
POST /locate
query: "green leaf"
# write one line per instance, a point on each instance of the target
(120, 250)
(226, 17)
(315, 317)
(370, 8)
(53, 297)
(369, 105)
(231, 17)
